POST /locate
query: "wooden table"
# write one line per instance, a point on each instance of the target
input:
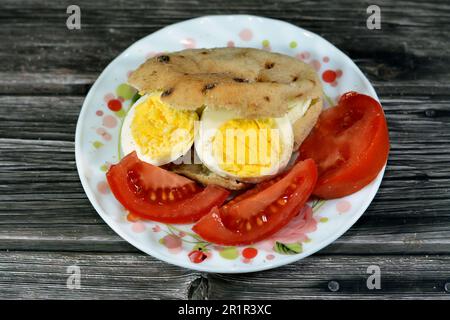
(48, 224)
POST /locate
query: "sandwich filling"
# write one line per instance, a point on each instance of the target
(247, 147)
(159, 133)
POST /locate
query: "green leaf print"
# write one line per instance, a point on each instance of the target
(288, 248)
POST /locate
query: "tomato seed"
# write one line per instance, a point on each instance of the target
(259, 222)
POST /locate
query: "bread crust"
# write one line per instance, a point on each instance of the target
(204, 176)
(251, 82)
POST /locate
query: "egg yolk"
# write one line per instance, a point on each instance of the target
(159, 130)
(247, 147)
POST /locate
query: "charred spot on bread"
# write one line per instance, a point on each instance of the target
(208, 86)
(294, 78)
(167, 92)
(267, 98)
(163, 59)
(269, 65)
(240, 79)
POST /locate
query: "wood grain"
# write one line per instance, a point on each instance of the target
(369, 236)
(406, 55)
(405, 277)
(47, 223)
(39, 275)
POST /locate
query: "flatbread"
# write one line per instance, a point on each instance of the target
(204, 176)
(251, 82)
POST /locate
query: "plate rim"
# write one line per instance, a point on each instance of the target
(199, 267)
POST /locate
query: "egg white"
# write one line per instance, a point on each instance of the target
(129, 145)
(298, 109)
(211, 120)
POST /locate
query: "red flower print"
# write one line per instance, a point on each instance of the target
(197, 256)
(294, 231)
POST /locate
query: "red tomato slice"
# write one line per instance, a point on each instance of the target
(252, 203)
(156, 194)
(350, 145)
(249, 218)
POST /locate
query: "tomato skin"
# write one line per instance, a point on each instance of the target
(183, 211)
(256, 205)
(212, 228)
(350, 145)
(252, 203)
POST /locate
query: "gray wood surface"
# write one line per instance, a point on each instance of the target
(47, 223)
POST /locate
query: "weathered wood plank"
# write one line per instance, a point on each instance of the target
(40, 275)
(60, 82)
(371, 235)
(35, 275)
(406, 55)
(402, 277)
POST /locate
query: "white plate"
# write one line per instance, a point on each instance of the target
(96, 144)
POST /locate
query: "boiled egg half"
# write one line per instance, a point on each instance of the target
(248, 150)
(298, 109)
(157, 132)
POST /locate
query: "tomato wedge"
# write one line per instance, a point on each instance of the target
(156, 194)
(350, 145)
(250, 217)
